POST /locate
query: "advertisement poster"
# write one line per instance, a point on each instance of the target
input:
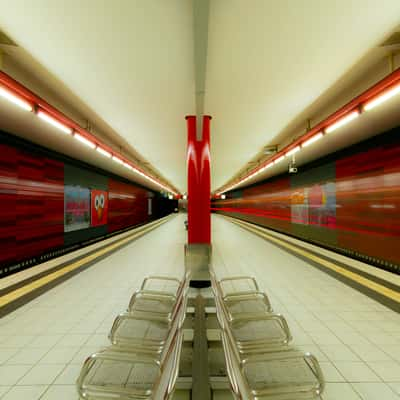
(322, 205)
(299, 207)
(315, 205)
(99, 207)
(76, 208)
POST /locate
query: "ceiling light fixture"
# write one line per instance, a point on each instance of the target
(117, 160)
(11, 97)
(342, 121)
(85, 141)
(103, 152)
(312, 139)
(292, 151)
(279, 159)
(382, 98)
(52, 121)
(23, 97)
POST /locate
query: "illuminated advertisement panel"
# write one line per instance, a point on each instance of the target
(315, 205)
(99, 207)
(76, 208)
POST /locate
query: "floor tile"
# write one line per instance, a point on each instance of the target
(6, 354)
(83, 354)
(69, 375)
(370, 352)
(331, 374)
(395, 386)
(17, 341)
(381, 338)
(339, 352)
(393, 351)
(324, 338)
(389, 371)
(71, 340)
(375, 391)
(4, 389)
(27, 355)
(45, 341)
(42, 374)
(339, 391)
(61, 392)
(24, 393)
(11, 374)
(62, 355)
(356, 371)
(98, 340)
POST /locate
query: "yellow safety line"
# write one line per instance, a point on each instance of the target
(30, 287)
(376, 287)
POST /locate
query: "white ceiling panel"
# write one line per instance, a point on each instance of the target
(270, 59)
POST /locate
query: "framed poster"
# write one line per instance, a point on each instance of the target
(99, 207)
(76, 208)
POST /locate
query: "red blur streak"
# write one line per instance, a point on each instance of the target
(127, 205)
(198, 163)
(260, 213)
(32, 199)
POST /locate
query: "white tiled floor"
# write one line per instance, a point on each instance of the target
(356, 339)
(44, 343)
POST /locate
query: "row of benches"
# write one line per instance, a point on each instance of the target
(142, 361)
(261, 363)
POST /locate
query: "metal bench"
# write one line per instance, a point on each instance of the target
(114, 373)
(143, 359)
(260, 362)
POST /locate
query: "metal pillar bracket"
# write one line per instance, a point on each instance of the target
(197, 261)
(201, 389)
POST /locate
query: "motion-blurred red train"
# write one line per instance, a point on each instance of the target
(348, 202)
(51, 204)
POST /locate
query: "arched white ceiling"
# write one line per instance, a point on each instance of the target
(132, 62)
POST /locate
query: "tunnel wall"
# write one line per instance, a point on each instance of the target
(51, 204)
(348, 202)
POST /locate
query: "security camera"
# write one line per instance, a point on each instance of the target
(292, 168)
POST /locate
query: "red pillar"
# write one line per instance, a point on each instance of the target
(199, 182)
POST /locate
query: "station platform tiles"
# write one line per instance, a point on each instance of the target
(356, 339)
(44, 343)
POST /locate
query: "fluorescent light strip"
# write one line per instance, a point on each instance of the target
(104, 152)
(117, 160)
(50, 120)
(343, 121)
(6, 94)
(312, 139)
(85, 141)
(293, 151)
(279, 159)
(382, 98)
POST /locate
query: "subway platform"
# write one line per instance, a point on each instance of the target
(355, 338)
